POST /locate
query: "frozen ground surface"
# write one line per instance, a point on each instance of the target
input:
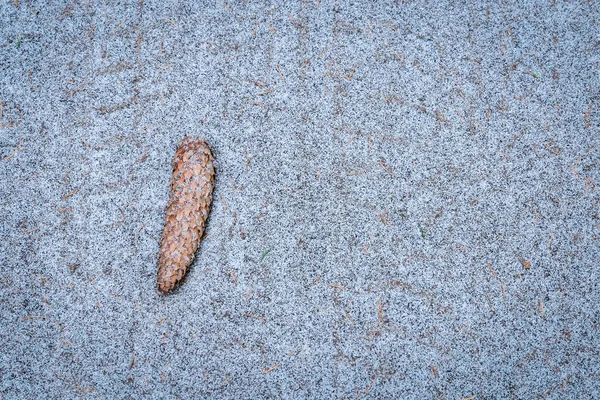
(386, 173)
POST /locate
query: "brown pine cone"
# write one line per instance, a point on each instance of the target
(191, 194)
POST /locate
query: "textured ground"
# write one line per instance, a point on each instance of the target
(406, 202)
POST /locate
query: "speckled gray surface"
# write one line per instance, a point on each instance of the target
(384, 175)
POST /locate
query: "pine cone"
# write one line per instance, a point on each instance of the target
(191, 195)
